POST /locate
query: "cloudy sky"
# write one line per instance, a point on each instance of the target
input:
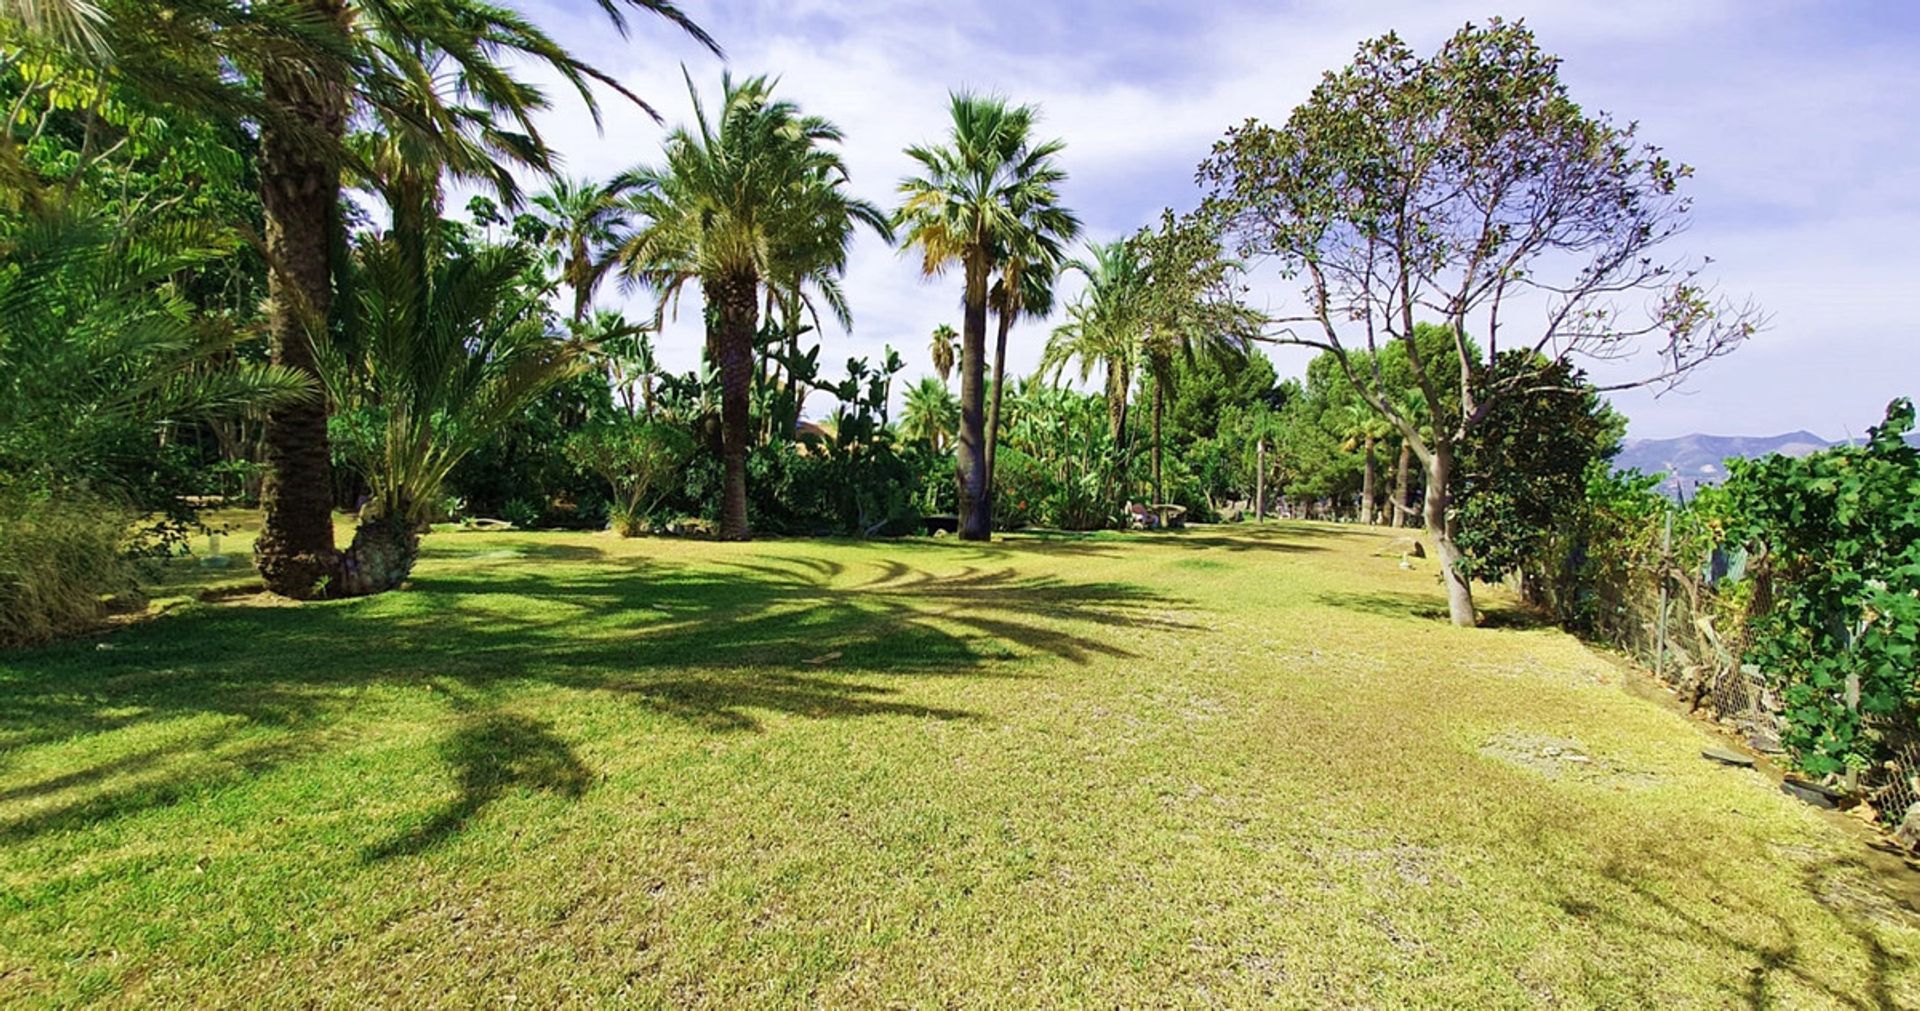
(1799, 117)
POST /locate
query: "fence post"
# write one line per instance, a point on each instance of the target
(1660, 622)
(1260, 483)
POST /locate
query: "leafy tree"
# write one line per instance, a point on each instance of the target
(974, 205)
(756, 196)
(638, 459)
(1523, 471)
(1471, 184)
(1841, 534)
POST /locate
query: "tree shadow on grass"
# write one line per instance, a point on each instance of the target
(1431, 607)
(492, 754)
(710, 645)
(1766, 938)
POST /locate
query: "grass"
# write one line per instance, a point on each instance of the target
(1217, 768)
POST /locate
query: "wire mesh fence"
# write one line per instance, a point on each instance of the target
(1690, 629)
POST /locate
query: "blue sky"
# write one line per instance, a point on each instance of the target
(1799, 117)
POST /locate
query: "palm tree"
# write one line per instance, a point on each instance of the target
(1360, 428)
(945, 339)
(1025, 284)
(438, 361)
(585, 222)
(966, 208)
(755, 196)
(380, 50)
(930, 413)
(1103, 327)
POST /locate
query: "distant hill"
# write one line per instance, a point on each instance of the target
(1693, 460)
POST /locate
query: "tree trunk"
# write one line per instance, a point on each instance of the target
(737, 318)
(1366, 486)
(380, 558)
(300, 192)
(999, 390)
(1440, 531)
(1159, 408)
(970, 471)
(1402, 514)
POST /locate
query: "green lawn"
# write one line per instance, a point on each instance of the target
(1220, 768)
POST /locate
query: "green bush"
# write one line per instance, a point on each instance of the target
(60, 561)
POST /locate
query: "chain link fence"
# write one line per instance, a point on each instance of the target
(1693, 636)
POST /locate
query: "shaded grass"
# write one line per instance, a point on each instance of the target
(1240, 767)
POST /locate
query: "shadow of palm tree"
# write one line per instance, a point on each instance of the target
(709, 645)
(491, 755)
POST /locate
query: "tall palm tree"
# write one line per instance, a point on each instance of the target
(966, 208)
(1361, 427)
(383, 48)
(754, 196)
(945, 340)
(585, 224)
(1025, 285)
(930, 413)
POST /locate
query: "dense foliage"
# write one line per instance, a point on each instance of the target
(1841, 534)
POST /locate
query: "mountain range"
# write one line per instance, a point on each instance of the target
(1693, 460)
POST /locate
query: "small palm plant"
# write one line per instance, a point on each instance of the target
(931, 414)
(431, 366)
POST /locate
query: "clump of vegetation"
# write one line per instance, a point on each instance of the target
(639, 461)
(59, 563)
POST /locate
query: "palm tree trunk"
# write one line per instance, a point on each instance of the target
(300, 192)
(970, 465)
(380, 558)
(1117, 402)
(999, 384)
(1366, 486)
(738, 315)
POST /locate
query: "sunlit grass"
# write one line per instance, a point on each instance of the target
(1220, 768)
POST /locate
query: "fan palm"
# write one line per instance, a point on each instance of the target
(945, 341)
(1361, 427)
(753, 196)
(930, 413)
(585, 224)
(436, 363)
(967, 207)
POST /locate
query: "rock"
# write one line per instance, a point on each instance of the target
(1813, 793)
(1765, 743)
(1418, 551)
(1907, 834)
(1727, 756)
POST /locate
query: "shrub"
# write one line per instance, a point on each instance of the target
(60, 560)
